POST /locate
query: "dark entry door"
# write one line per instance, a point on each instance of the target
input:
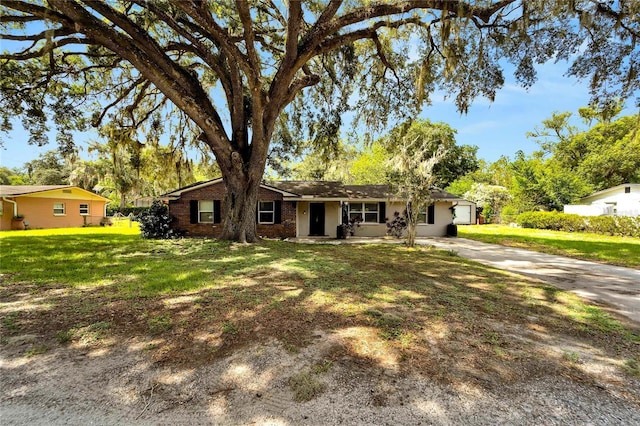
(316, 218)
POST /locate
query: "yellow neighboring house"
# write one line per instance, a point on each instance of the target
(49, 206)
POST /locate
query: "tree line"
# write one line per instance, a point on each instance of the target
(577, 155)
(573, 160)
(122, 173)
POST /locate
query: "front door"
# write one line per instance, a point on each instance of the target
(316, 218)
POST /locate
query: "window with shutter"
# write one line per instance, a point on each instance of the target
(427, 216)
(205, 211)
(365, 212)
(431, 214)
(193, 211)
(217, 211)
(266, 212)
(277, 206)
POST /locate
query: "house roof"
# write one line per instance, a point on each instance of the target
(369, 191)
(13, 190)
(613, 188)
(314, 188)
(323, 190)
(20, 190)
(439, 194)
(178, 192)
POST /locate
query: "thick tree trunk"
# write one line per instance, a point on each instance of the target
(239, 211)
(239, 207)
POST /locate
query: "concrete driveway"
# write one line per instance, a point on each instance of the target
(616, 286)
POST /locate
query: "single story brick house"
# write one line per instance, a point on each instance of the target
(307, 208)
(49, 206)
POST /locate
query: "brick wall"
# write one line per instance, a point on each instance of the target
(180, 210)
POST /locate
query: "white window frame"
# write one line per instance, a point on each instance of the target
(86, 209)
(361, 210)
(201, 210)
(263, 210)
(63, 208)
(423, 217)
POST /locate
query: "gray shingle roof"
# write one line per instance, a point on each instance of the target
(13, 190)
(369, 191)
(316, 188)
(333, 189)
(328, 189)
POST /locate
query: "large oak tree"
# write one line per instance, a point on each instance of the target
(244, 75)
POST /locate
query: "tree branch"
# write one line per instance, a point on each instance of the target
(298, 84)
(44, 35)
(365, 33)
(140, 38)
(119, 99)
(236, 61)
(607, 10)
(212, 30)
(249, 39)
(329, 12)
(174, 81)
(287, 69)
(38, 12)
(46, 49)
(6, 19)
(293, 32)
(366, 13)
(197, 48)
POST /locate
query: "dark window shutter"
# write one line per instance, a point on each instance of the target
(277, 214)
(217, 214)
(382, 213)
(431, 214)
(193, 211)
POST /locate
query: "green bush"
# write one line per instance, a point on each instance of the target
(608, 225)
(508, 214)
(155, 222)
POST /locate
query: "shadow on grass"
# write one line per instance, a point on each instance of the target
(194, 301)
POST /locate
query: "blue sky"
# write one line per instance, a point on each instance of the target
(500, 127)
(497, 128)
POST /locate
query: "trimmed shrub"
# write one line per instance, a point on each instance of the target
(155, 222)
(607, 225)
(508, 214)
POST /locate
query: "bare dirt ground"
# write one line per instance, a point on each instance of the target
(120, 383)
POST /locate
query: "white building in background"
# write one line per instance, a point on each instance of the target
(621, 200)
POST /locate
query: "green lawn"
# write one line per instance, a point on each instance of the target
(622, 251)
(192, 300)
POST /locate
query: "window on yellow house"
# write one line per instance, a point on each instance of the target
(58, 209)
